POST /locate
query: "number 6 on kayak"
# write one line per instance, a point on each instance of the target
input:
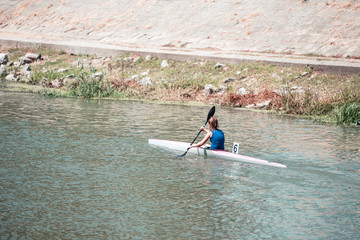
(235, 148)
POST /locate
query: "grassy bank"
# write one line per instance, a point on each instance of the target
(290, 90)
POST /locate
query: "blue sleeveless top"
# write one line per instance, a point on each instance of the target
(217, 140)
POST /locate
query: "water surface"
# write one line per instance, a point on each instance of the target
(82, 169)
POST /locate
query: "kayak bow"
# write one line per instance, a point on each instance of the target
(182, 146)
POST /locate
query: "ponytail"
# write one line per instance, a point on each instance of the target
(213, 123)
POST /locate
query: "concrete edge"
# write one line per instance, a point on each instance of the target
(328, 65)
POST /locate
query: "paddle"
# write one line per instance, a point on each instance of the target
(210, 114)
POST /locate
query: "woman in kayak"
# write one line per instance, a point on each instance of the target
(215, 135)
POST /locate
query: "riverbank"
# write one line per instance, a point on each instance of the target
(290, 90)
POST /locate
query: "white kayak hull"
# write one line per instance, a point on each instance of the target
(182, 146)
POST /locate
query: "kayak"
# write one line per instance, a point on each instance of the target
(182, 146)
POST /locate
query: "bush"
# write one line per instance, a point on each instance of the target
(49, 75)
(347, 113)
(90, 87)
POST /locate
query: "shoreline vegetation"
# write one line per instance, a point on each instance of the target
(286, 90)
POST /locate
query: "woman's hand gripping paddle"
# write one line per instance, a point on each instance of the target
(210, 114)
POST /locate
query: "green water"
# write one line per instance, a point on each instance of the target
(82, 169)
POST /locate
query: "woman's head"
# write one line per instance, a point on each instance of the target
(213, 123)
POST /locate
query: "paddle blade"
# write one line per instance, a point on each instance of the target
(182, 155)
(211, 113)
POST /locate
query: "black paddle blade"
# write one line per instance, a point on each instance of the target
(182, 155)
(211, 113)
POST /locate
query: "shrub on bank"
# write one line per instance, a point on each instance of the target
(307, 103)
(348, 113)
(90, 86)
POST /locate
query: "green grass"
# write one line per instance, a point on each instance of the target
(54, 92)
(50, 75)
(347, 114)
(90, 87)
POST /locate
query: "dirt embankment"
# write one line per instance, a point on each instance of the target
(317, 27)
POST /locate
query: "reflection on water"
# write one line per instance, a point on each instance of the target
(73, 168)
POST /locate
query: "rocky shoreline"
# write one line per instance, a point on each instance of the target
(299, 91)
(24, 63)
(209, 91)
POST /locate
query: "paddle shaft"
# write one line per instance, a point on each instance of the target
(198, 133)
(192, 141)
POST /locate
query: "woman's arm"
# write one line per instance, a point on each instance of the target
(204, 129)
(207, 136)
